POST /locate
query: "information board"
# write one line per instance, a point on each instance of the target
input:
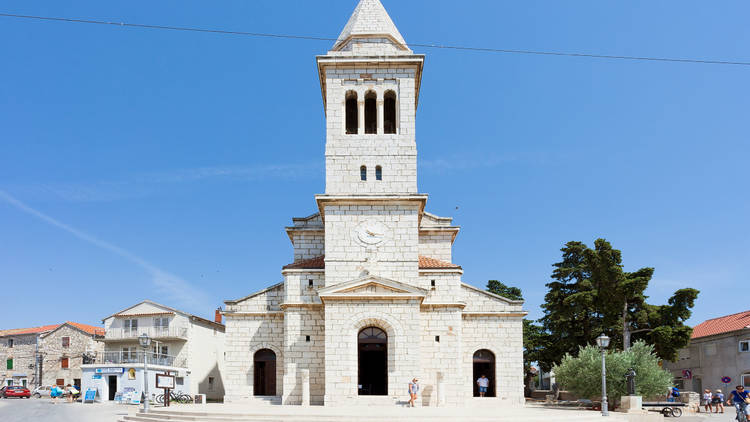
(90, 395)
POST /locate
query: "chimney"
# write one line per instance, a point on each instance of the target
(217, 316)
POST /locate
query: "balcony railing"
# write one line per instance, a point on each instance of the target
(153, 332)
(131, 358)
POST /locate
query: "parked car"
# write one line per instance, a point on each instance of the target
(15, 391)
(41, 391)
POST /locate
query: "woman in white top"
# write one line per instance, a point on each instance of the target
(706, 399)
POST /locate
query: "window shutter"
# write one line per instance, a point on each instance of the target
(66, 342)
(9, 364)
(64, 363)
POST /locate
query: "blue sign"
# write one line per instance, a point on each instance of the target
(96, 376)
(726, 380)
(110, 370)
(90, 395)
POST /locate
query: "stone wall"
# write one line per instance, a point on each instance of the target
(22, 353)
(397, 258)
(301, 353)
(245, 335)
(503, 336)
(343, 321)
(51, 346)
(436, 245)
(440, 356)
(395, 153)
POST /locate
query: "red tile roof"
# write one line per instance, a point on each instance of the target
(426, 262)
(722, 325)
(319, 263)
(99, 331)
(47, 328)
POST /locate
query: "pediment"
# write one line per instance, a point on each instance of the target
(371, 287)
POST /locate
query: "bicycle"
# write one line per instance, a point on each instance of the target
(176, 398)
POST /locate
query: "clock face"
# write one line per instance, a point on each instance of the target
(371, 233)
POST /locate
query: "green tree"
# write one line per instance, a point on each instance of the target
(500, 289)
(582, 374)
(592, 294)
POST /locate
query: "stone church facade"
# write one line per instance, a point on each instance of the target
(372, 298)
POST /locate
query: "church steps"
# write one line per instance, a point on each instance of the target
(297, 414)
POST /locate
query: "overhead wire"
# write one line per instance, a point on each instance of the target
(422, 45)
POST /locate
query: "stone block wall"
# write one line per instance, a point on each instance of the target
(447, 286)
(345, 153)
(440, 353)
(299, 353)
(308, 244)
(23, 355)
(51, 346)
(245, 335)
(503, 336)
(343, 321)
(297, 286)
(436, 245)
(397, 258)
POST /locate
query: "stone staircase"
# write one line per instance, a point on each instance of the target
(265, 413)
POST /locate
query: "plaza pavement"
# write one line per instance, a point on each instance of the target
(42, 410)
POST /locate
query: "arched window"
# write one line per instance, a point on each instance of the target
(389, 112)
(371, 113)
(363, 173)
(484, 369)
(264, 373)
(372, 354)
(378, 173)
(352, 117)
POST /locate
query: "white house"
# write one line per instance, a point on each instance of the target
(187, 346)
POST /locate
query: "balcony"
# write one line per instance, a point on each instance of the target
(156, 333)
(133, 358)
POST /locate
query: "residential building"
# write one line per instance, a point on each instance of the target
(372, 298)
(719, 348)
(48, 355)
(185, 345)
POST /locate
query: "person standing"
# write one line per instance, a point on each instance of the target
(413, 390)
(706, 400)
(718, 401)
(483, 382)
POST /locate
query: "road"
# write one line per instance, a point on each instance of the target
(43, 410)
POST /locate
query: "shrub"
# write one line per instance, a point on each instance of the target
(583, 374)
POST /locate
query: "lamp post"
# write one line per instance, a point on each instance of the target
(145, 341)
(603, 342)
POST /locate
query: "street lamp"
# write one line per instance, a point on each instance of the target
(603, 342)
(145, 341)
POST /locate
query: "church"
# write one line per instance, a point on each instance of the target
(372, 298)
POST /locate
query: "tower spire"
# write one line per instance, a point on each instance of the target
(370, 20)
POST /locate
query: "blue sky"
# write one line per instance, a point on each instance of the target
(153, 164)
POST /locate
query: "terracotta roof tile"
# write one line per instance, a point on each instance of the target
(426, 262)
(47, 328)
(99, 331)
(722, 325)
(33, 330)
(318, 263)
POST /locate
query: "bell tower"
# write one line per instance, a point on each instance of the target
(370, 84)
(371, 208)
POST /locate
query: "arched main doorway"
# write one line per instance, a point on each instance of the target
(264, 373)
(484, 364)
(372, 353)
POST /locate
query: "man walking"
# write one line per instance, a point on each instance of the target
(483, 382)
